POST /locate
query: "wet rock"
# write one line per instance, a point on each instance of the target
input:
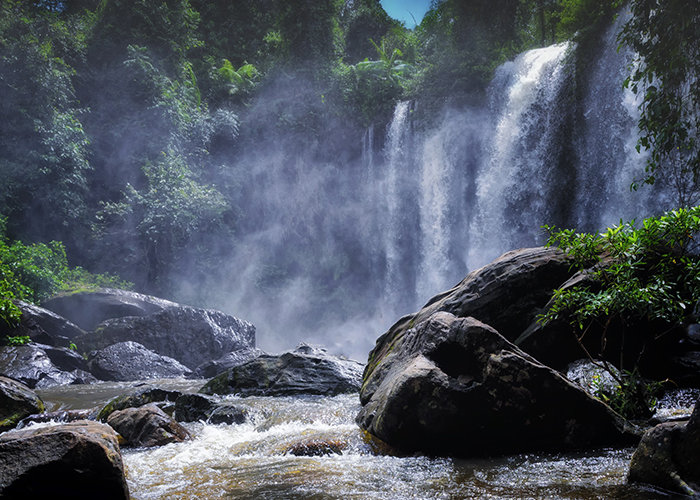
(140, 397)
(63, 416)
(668, 456)
(455, 386)
(211, 369)
(79, 460)
(40, 366)
(593, 377)
(191, 336)
(147, 426)
(126, 361)
(305, 370)
(198, 407)
(506, 294)
(17, 401)
(88, 309)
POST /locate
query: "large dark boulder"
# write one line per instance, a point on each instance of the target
(211, 369)
(668, 456)
(42, 322)
(506, 294)
(147, 426)
(17, 402)
(126, 361)
(40, 366)
(191, 336)
(88, 309)
(305, 370)
(456, 386)
(79, 460)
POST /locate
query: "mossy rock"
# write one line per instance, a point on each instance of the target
(17, 401)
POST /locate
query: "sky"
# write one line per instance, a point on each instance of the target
(402, 10)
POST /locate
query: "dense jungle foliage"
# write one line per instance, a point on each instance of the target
(122, 120)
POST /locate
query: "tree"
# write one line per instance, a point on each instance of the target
(665, 35)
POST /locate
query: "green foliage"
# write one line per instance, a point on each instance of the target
(665, 35)
(654, 270)
(631, 397)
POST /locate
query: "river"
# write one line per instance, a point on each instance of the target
(254, 461)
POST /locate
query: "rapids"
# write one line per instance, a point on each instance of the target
(252, 460)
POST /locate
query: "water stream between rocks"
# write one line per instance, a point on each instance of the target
(256, 460)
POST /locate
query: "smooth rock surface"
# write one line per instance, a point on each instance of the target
(17, 402)
(147, 426)
(506, 294)
(127, 361)
(305, 370)
(88, 309)
(40, 366)
(79, 460)
(191, 336)
(455, 386)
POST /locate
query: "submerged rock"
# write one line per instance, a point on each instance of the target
(17, 402)
(305, 370)
(79, 460)
(40, 366)
(126, 361)
(88, 309)
(191, 336)
(456, 386)
(668, 456)
(147, 426)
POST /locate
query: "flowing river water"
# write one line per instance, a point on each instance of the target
(256, 460)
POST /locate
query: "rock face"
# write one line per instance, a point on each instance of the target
(456, 386)
(305, 370)
(88, 309)
(668, 456)
(16, 403)
(211, 369)
(506, 294)
(125, 361)
(59, 329)
(191, 336)
(79, 460)
(147, 426)
(40, 366)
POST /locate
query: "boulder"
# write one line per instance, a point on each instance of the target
(506, 294)
(17, 401)
(79, 460)
(305, 370)
(198, 407)
(44, 323)
(142, 396)
(593, 377)
(668, 456)
(40, 366)
(211, 369)
(455, 386)
(191, 336)
(147, 426)
(88, 309)
(125, 361)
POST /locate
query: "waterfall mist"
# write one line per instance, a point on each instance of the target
(339, 240)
